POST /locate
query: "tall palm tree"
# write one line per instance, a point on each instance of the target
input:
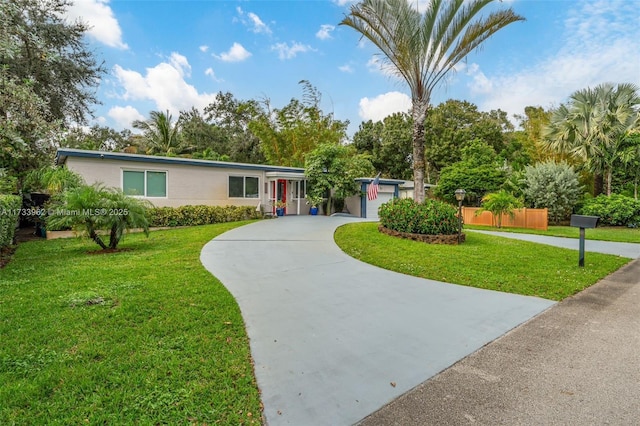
(422, 48)
(160, 134)
(593, 125)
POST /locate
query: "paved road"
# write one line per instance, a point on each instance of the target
(334, 339)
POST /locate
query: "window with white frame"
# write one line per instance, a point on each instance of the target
(144, 183)
(243, 187)
(301, 189)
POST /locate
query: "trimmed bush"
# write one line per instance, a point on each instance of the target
(614, 210)
(200, 215)
(429, 218)
(9, 212)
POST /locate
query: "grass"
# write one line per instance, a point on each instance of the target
(143, 336)
(483, 261)
(608, 233)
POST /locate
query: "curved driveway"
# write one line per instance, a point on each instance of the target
(334, 339)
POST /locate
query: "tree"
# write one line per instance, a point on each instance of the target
(630, 160)
(478, 173)
(96, 207)
(47, 80)
(500, 203)
(231, 117)
(453, 124)
(593, 125)
(422, 48)
(161, 136)
(389, 144)
(334, 167)
(97, 138)
(553, 186)
(288, 134)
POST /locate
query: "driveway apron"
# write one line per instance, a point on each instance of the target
(334, 339)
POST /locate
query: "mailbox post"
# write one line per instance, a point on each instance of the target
(583, 222)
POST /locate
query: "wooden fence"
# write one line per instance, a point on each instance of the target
(523, 218)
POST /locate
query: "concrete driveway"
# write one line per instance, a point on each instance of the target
(334, 339)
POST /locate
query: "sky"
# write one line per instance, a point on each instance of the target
(175, 55)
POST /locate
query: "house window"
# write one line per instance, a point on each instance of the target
(301, 187)
(243, 187)
(144, 183)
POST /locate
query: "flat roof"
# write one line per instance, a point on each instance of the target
(63, 153)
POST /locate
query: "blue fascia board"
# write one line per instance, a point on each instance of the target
(63, 153)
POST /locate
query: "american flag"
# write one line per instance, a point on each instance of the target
(372, 192)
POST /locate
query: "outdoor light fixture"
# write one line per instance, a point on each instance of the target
(460, 193)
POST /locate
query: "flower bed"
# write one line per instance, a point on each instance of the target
(429, 239)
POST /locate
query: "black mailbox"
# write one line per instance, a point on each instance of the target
(583, 222)
(580, 221)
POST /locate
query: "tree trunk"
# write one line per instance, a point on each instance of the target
(419, 114)
(95, 237)
(598, 184)
(609, 178)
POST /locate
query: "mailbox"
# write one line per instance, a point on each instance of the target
(583, 222)
(580, 221)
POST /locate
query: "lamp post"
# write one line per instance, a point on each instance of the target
(460, 193)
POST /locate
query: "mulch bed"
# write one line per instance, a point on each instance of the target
(429, 239)
(6, 253)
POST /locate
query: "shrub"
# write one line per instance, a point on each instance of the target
(9, 213)
(199, 215)
(500, 203)
(614, 210)
(430, 218)
(552, 186)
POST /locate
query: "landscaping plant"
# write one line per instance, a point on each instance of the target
(500, 203)
(429, 218)
(614, 210)
(93, 208)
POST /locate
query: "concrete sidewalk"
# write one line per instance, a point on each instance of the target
(629, 250)
(577, 363)
(334, 339)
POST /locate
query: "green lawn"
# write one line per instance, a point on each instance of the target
(483, 261)
(608, 233)
(143, 336)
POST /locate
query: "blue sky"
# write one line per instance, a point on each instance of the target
(172, 55)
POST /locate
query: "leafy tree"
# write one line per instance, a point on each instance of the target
(161, 136)
(334, 167)
(96, 207)
(478, 173)
(593, 125)
(52, 180)
(389, 144)
(47, 80)
(553, 186)
(97, 138)
(453, 124)
(422, 48)
(288, 134)
(500, 203)
(630, 160)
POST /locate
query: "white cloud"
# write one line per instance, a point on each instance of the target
(104, 27)
(288, 52)
(163, 84)
(381, 106)
(212, 74)
(254, 22)
(123, 117)
(599, 45)
(324, 32)
(346, 68)
(204, 48)
(236, 53)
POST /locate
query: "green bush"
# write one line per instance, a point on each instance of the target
(614, 210)
(9, 213)
(200, 215)
(429, 218)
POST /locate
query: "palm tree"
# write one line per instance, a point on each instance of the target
(593, 126)
(160, 134)
(422, 48)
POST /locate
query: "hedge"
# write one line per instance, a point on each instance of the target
(200, 215)
(429, 218)
(614, 210)
(9, 212)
